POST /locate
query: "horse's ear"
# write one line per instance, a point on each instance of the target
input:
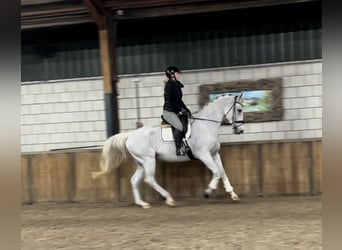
(241, 94)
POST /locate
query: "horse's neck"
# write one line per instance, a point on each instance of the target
(215, 115)
(213, 112)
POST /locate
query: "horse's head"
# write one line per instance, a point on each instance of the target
(234, 114)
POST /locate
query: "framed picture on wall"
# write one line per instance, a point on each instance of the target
(263, 97)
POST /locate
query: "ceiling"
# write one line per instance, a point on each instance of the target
(43, 13)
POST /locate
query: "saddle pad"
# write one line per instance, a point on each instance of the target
(166, 134)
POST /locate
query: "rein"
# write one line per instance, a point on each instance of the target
(204, 119)
(209, 120)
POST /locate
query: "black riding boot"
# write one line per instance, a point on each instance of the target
(178, 136)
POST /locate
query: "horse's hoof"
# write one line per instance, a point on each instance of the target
(236, 200)
(145, 205)
(170, 202)
(234, 197)
(207, 192)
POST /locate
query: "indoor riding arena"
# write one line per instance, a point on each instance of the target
(92, 69)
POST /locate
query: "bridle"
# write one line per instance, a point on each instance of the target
(235, 123)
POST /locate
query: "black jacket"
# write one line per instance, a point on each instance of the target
(173, 97)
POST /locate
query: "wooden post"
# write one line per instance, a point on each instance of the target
(114, 78)
(110, 93)
(107, 36)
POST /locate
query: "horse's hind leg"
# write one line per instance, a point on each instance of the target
(135, 181)
(150, 167)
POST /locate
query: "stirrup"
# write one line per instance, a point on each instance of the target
(180, 151)
(185, 146)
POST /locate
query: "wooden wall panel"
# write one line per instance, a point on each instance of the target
(318, 167)
(41, 178)
(185, 179)
(301, 166)
(274, 175)
(53, 177)
(87, 189)
(286, 168)
(241, 165)
(268, 169)
(25, 180)
(250, 170)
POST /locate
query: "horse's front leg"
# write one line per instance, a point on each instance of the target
(210, 163)
(225, 179)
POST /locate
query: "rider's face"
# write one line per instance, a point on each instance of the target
(177, 76)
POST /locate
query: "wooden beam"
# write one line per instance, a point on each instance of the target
(100, 5)
(149, 3)
(169, 3)
(65, 10)
(195, 8)
(157, 5)
(97, 14)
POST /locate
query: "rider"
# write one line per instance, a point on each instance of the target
(173, 105)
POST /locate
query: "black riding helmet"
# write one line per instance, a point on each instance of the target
(170, 71)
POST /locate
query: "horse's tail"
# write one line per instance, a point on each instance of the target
(114, 154)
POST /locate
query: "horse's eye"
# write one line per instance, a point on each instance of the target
(239, 110)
